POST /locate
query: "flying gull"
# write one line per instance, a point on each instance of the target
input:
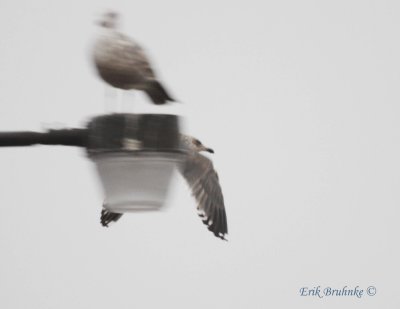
(122, 63)
(203, 180)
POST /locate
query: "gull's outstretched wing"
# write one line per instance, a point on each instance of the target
(203, 180)
(107, 217)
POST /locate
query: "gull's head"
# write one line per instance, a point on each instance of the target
(109, 20)
(195, 145)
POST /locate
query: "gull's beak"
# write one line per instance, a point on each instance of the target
(209, 150)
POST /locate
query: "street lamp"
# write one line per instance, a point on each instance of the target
(135, 155)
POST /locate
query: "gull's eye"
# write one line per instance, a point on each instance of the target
(196, 142)
(112, 15)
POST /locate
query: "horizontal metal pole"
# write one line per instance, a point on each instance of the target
(64, 137)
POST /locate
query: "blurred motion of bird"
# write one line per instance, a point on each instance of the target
(122, 63)
(199, 173)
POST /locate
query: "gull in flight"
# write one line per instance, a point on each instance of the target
(199, 173)
(123, 64)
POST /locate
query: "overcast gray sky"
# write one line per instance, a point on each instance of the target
(299, 100)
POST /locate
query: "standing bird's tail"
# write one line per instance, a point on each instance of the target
(157, 93)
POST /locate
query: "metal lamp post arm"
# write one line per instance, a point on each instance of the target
(65, 137)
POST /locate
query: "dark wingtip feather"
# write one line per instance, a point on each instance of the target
(108, 217)
(219, 227)
(157, 93)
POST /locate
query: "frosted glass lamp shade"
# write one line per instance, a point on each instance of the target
(135, 183)
(135, 156)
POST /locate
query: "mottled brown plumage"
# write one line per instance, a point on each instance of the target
(122, 63)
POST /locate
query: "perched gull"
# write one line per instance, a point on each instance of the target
(203, 180)
(123, 64)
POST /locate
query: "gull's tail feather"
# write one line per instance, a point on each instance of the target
(157, 93)
(107, 217)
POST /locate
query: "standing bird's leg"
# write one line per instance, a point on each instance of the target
(120, 94)
(109, 98)
(128, 101)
